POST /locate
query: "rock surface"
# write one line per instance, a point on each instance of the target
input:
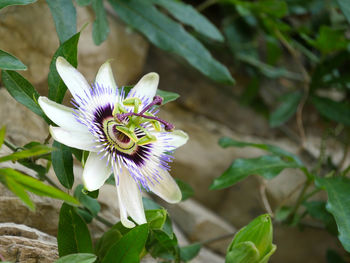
(19, 243)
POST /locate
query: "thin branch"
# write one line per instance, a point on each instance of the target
(264, 198)
(11, 145)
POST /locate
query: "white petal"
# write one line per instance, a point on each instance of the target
(60, 115)
(123, 214)
(166, 188)
(83, 141)
(130, 196)
(96, 172)
(176, 138)
(146, 87)
(74, 80)
(105, 77)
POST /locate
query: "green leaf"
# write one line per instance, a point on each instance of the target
(22, 91)
(345, 8)
(268, 166)
(2, 135)
(100, 28)
(108, 239)
(34, 151)
(330, 40)
(149, 204)
(73, 235)
(167, 95)
(189, 252)
(19, 191)
(286, 109)
(4, 3)
(62, 163)
(190, 16)
(129, 247)
(317, 210)
(244, 252)
(65, 18)
(160, 244)
(338, 204)
(186, 190)
(83, 2)
(37, 187)
(156, 218)
(228, 142)
(68, 50)
(253, 241)
(77, 258)
(10, 62)
(170, 36)
(330, 109)
(90, 203)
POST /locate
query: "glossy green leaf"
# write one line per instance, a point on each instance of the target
(4, 3)
(68, 50)
(330, 40)
(156, 218)
(244, 252)
(167, 95)
(338, 204)
(129, 247)
(189, 252)
(100, 28)
(2, 135)
(228, 142)
(34, 151)
(330, 109)
(345, 8)
(170, 36)
(37, 187)
(10, 62)
(73, 235)
(268, 166)
(65, 18)
(186, 190)
(108, 239)
(253, 241)
(88, 202)
(160, 244)
(190, 16)
(287, 108)
(62, 163)
(22, 91)
(78, 258)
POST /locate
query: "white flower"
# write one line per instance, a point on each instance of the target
(122, 134)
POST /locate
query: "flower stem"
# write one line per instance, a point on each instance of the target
(10, 145)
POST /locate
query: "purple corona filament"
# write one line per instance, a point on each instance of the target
(157, 100)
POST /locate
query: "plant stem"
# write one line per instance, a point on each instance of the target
(299, 201)
(104, 221)
(11, 145)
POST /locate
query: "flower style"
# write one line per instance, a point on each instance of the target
(122, 134)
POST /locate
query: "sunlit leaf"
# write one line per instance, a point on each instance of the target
(64, 16)
(77, 258)
(156, 218)
(10, 62)
(19, 191)
(2, 135)
(170, 36)
(73, 235)
(34, 151)
(4, 3)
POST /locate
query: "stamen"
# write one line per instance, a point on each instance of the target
(168, 126)
(157, 100)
